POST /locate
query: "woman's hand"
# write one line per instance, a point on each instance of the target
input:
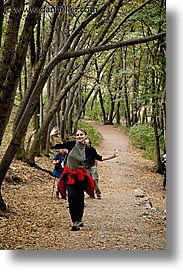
(116, 153)
(54, 131)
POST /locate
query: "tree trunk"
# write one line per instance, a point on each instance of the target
(2, 203)
(118, 117)
(68, 111)
(9, 67)
(125, 89)
(70, 122)
(11, 38)
(102, 105)
(20, 154)
(62, 118)
(8, 88)
(158, 154)
(36, 73)
(1, 19)
(78, 105)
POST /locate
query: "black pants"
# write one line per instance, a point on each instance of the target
(76, 199)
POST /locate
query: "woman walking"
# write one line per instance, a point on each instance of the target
(74, 177)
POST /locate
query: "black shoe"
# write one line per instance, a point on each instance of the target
(81, 224)
(75, 227)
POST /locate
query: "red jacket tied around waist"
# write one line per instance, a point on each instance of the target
(81, 174)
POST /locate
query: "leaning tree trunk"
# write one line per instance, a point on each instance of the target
(1, 19)
(8, 87)
(2, 203)
(9, 66)
(36, 72)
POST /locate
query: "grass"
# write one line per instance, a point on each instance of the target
(93, 134)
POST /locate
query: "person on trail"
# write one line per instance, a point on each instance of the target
(58, 162)
(74, 177)
(91, 164)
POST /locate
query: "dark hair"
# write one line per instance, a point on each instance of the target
(82, 130)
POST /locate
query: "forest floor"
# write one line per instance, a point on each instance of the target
(130, 216)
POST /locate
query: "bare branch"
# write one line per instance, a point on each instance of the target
(119, 44)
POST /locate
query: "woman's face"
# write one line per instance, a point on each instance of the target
(80, 136)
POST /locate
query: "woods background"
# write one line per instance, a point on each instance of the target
(63, 61)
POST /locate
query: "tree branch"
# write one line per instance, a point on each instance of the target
(71, 54)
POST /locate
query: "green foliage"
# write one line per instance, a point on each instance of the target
(142, 136)
(92, 133)
(94, 113)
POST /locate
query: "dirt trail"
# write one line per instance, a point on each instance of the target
(120, 221)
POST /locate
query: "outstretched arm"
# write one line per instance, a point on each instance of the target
(116, 154)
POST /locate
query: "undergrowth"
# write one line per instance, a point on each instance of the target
(142, 136)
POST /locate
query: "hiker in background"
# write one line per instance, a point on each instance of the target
(163, 161)
(91, 165)
(92, 158)
(58, 162)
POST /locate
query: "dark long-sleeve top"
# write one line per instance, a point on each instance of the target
(91, 156)
(79, 154)
(65, 145)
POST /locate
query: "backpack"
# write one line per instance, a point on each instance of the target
(58, 168)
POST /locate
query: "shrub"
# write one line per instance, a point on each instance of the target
(142, 136)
